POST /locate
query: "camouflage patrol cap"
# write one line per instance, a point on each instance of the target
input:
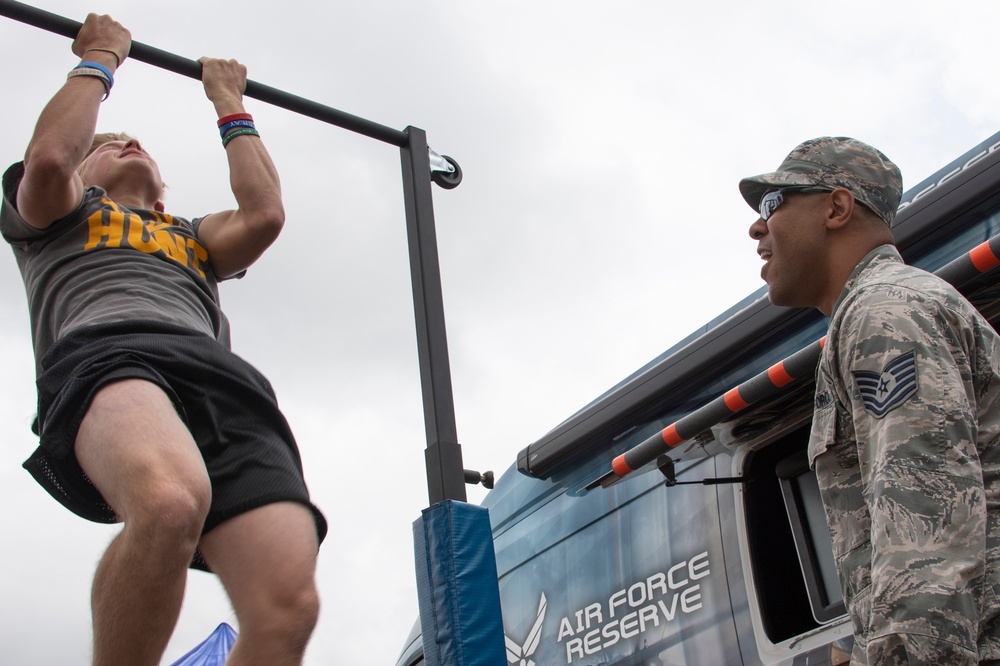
(835, 162)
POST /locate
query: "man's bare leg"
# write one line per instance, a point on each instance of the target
(138, 453)
(266, 558)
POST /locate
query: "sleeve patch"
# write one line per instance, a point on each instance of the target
(882, 392)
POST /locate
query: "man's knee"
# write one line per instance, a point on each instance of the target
(300, 607)
(170, 514)
(306, 610)
(289, 618)
(180, 508)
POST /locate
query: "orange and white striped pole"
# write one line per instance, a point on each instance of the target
(981, 259)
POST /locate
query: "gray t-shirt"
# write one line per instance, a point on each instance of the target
(104, 263)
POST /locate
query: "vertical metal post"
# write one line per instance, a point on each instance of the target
(443, 456)
(460, 615)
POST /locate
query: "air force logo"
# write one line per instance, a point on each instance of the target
(883, 392)
(519, 654)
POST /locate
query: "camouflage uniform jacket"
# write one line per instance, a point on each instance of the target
(905, 446)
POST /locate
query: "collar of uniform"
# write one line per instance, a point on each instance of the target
(880, 255)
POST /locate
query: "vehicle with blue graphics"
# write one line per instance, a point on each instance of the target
(674, 520)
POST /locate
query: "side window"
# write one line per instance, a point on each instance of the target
(791, 557)
(807, 518)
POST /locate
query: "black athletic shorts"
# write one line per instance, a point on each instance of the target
(228, 406)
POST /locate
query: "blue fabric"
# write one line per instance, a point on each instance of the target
(212, 651)
(457, 586)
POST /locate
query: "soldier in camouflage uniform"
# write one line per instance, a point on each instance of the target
(906, 423)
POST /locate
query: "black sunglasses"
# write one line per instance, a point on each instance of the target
(771, 200)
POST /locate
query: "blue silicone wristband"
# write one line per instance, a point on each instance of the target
(102, 68)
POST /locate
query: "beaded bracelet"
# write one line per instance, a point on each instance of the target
(243, 131)
(233, 124)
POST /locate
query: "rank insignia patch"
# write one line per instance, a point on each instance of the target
(883, 392)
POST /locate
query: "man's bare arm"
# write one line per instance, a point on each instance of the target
(237, 238)
(51, 187)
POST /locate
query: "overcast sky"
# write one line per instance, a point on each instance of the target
(598, 223)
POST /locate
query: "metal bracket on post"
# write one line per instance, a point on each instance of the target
(443, 457)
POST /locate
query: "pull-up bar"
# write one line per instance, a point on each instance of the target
(192, 69)
(443, 456)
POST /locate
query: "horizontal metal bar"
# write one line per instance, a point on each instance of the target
(150, 55)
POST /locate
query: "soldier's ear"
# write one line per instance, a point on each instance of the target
(840, 208)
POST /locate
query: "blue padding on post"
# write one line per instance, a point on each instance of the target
(457, 586)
